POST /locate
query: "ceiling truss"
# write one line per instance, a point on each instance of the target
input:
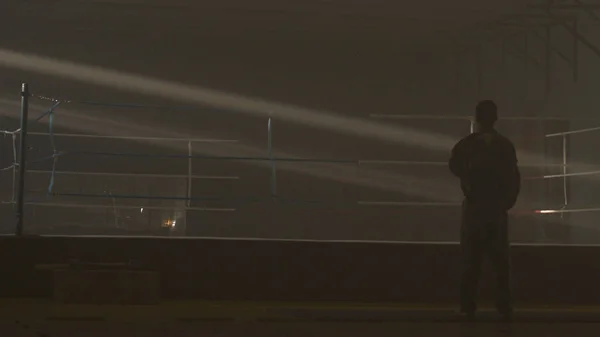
(514, 32)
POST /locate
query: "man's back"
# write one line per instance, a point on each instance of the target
(486, 164)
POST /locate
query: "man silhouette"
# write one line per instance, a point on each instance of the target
(486, 164)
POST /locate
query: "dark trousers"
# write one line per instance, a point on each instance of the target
(484, 233)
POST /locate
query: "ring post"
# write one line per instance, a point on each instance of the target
(23, 157)
(564, 171)
(190, 174)
(273, 165)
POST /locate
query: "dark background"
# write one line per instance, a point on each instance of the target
(346, 58)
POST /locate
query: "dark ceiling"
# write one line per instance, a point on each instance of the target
(401, 21)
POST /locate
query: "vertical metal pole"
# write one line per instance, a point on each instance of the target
(564, 171)
(526, 54)
(526, 50)
(14, 169)
(189, 187)
(458, 78)
(575, 52)
(115, 212)
(545, 189)
(273, 165)
(503, 54)
(23, 157)
(548, 61)
(479, 72)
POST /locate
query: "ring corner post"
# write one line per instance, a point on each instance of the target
(190, 173)
(22, 157)
(272, 159)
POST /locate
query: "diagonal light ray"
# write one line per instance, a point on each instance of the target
(434, 189)
(251, 106)
(254, 107)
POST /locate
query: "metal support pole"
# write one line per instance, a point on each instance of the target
(526, 51)
(564, 171)
(14, 169)
(545, 190)
(589, 9)
(548, 60)
(575, 51)
(273, 165)
(574, 30)
(115, 212)
(23, 157)
(190, 174)
(458, 83)
(479, 72)
(503, 54)
(526, 63)
(549, 44)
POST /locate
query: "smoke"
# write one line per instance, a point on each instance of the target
(431, 188)
(251, 106)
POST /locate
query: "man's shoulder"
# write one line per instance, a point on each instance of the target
(475, 138)
(462, 145)
(504, 140)
(468, 139)
(497, 136)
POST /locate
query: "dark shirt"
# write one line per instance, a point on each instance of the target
(507, 183)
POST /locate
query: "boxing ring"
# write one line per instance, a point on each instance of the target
(37, 182)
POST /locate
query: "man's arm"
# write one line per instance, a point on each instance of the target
(458, 162)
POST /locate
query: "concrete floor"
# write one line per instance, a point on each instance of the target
(112, 329)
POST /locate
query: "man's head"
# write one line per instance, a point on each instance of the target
(486, 114)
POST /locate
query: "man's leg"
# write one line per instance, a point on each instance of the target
(499, 252)
(471, 256)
